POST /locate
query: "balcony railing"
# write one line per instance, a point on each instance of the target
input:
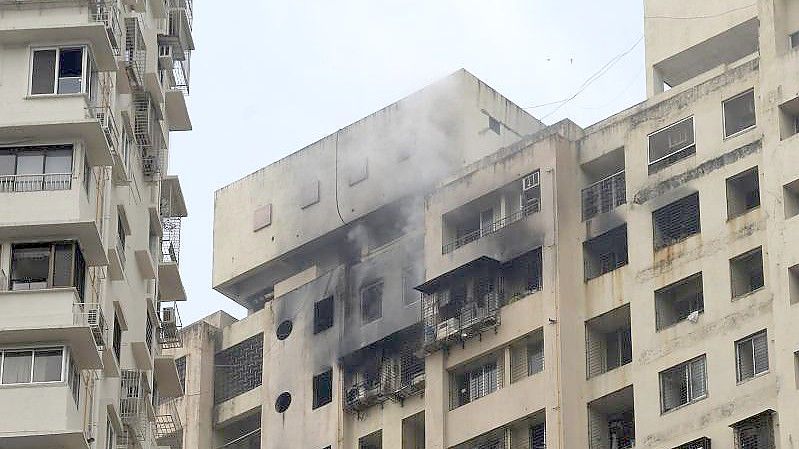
(604, 196)
(107, 13)
(528, 209)
(91, 315)
(469, 320)
(401, 376)
(167, 424)
(361, 395)
(170, 242)
(135, 51)
(135, 407)
(108, 123)
(169, 333)
(35, 183)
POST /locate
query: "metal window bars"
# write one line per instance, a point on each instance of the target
(168, 425)
(700, 443)
(135, 57)
(469, 320)
(107, 13)
(756, 432)
(477, 382)
(676, 221)
(91, 315)
(603, 196)
(3, 280)
(135, 407)
(529, 208)
(397, 378)
(170, 242)
(526, 358)
(45, 182)
(169, 333)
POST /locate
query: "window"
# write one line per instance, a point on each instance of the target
(671, 144)
(33, 169)
(323, 389)
(110, 435)
(605, 253)
(372, 441)
(739, 113)
(121, 237)
(60, 71)
(751, 355)
(149, 333)
(531, 193)
(683, 384)
(372, 302)
(794, 39)
(746, 273)
(679, 301)
(117, 342)
(790, 194)
(475, 383)
(676, 221)
(527, 357)
(180, 366)
(756, 432)
(24, 366)
(323, 314)
(409, 293)
(74, 381)
(494, 125)
(49, 265)
(743, 193)
(701, 443)
(538, 436)
(619, 349)
(608, 341)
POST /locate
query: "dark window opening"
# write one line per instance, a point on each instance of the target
(494, 125)
(676, 221)
(739, 113)
(180, 365)
(746, 273)
(701, 443)
(323, 389)
(372, 302)
(608, 341)
(48, 265)
(679, 301)
(751, 354)
(605, 253)
(372, 441)
(323, 314)
(756, 432)
(683, 384)
(117, 342)
(743, 193)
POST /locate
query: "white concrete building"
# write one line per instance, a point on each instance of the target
(90, 221)
(448, 273)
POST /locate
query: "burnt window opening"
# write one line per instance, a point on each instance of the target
(743, 193)
(238, 369)
(409, 293)
(372, 302)
(519, 277)
(527, 356)
(323, 389)
(683, 384)
(790, 193)
(751, 356)
(608, 341)
(739, 113)
(700, 443)
(475, 381)
(679, 301)
(611, 421)
(676, 221)
(746, 273)
(372, 441)
(283, 402)
(671, 144)
(323, 314)
(39, 266)
(756, 432)
(494, 125)
(605, 253)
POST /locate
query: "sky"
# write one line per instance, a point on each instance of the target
(270, 77)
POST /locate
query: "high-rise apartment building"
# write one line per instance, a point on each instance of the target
(448, 273)
(90, 221)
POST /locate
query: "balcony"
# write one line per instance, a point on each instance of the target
(96, 24)
(168, 427)
(611, 421)
(135, 407)
(178, 33)
(134, 58)
(48, 415)
(603, 196)
(54, 315)
(526, 433)
(172, 210)
(169, 332)
(166, 376)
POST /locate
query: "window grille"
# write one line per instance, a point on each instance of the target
(676, 221)
(605, 253)
(604, 196)
(751, 354)
(756, 432)
(527, 358)
(238, 369)
(683, 384)
(476, 383)
(701, 443)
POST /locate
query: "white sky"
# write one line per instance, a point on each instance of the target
(270, 77)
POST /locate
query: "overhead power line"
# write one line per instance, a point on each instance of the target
(708, 16)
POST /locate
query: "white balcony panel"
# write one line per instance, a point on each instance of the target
(46, 412)
(170, 283)
(145, 262)
(13, 31)
(177, 112)
(166, 375)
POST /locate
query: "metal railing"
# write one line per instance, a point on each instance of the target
(169, 334)
(180, 72)
(44, 182)
(184, 6)
(135, 51)
(470, 319)
(170, 242)
(528, 209)
(107, 13)
(364, 394)
(605, 195)
(108, 123)
(91, 315)
(134, 401)
(168, 424)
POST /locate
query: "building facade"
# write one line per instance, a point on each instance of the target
(449, 273)
(90, 221)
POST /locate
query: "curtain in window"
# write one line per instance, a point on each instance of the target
(17, 367)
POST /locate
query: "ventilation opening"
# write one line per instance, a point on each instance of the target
(746, 273)
(743, 193)
(683, 384)
(676, 221)
(789, 118)
(413, 432)
(323, 314)
(284, 330)
(372, 441)
(323, 389)
(790, 193)
(679, 301)
(608, 341)
(739, 113)
(611, 421)
(283, 402)
(605, 253)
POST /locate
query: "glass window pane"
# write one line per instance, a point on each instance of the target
(30, 267)
(62, 265)
(30, 163)
(47, 365)
(17, 367)
(43, 77)
(8, 163)
(58, 161)
(70, 71)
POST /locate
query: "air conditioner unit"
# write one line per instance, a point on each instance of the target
(530, 181)
(446, 329)
(95, 321)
